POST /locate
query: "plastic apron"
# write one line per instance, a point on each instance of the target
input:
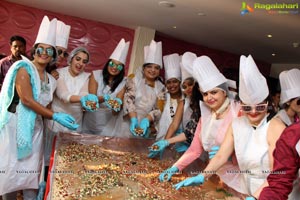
(25, 173)
(213, 132)
(251, 149)
(94, 122)
(145, 101)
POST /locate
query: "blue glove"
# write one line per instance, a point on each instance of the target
(181, 147)
(66, 120)
(145, 125)
(213, 151)
(106, 97)
(250, 198)
(162, 144)
(169, 173)
(89, 97)
(133, 125)
(196, 180)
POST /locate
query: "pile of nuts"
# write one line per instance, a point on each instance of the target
(114, 104)
(92, 104)
(139, 131)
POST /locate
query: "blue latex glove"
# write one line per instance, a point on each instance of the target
(162, 144)
(196, 180)
(181, 147)
(89, 97)
(144, 124)
(133, 124)
(169, 173)
(250, 198)
(213, 151)
(66, 120)
(106, 97)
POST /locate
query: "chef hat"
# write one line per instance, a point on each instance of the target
(290, 85)
(62, 34)
(47, 32)
(253, 87)
(120, 52)
(207, 74)
(172, 67)
(153, 53)
(187, 60)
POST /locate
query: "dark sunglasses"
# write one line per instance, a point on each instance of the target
(258, 108)
(40, 50)
(112, 64)
(298, 101)
(65, 54)
(186, 85)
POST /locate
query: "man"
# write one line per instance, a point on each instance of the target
(17, 48)
(286, 167)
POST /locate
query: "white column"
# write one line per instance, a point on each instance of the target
(142, 37)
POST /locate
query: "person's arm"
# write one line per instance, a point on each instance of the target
(286, 167)
(129, 99)
(193, 152)
(274, 131)
(222, 156)
(176, 120)
(24, 90)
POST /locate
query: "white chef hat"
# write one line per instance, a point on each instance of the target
(290, 85)
(121, 51)
(207, 74)
(253, 88)
(153, 53)
(172, 67)
(47, 32)
(62, 34)
(187, 60)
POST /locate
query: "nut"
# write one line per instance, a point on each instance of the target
(139, 131)
(92, 104)
(154, 147)
(113, 103)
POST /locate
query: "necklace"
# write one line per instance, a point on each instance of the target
(44, 85)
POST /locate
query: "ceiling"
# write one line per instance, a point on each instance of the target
(221, 27)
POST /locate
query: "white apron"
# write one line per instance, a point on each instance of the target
(94, 122)
(282, 115)
(23, 174)
(213, 132)
(251, 149)
(145, 100)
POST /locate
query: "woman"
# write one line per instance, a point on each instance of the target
(217, 112)
(290, 96)
(107, 84)
(143, 95)
(174, 98)
(26, 92)
(187, 113)
(252, 136)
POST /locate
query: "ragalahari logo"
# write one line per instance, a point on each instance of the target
(245, 8)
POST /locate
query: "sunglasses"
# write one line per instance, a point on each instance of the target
(40, 50)
(65, 54)
(112, 64)
(298, 101)
(258, 108)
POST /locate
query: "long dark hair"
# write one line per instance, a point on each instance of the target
(195, 98)
(117, 79)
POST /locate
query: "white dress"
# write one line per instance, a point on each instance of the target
(94, 122)
(145, 100)
(251, 149)
(67, 86)
(23, 174)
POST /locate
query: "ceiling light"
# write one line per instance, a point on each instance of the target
(295, 44)
(174, 27)
(201, 14)
(269, 36)
(273, 54)
(166, 4)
